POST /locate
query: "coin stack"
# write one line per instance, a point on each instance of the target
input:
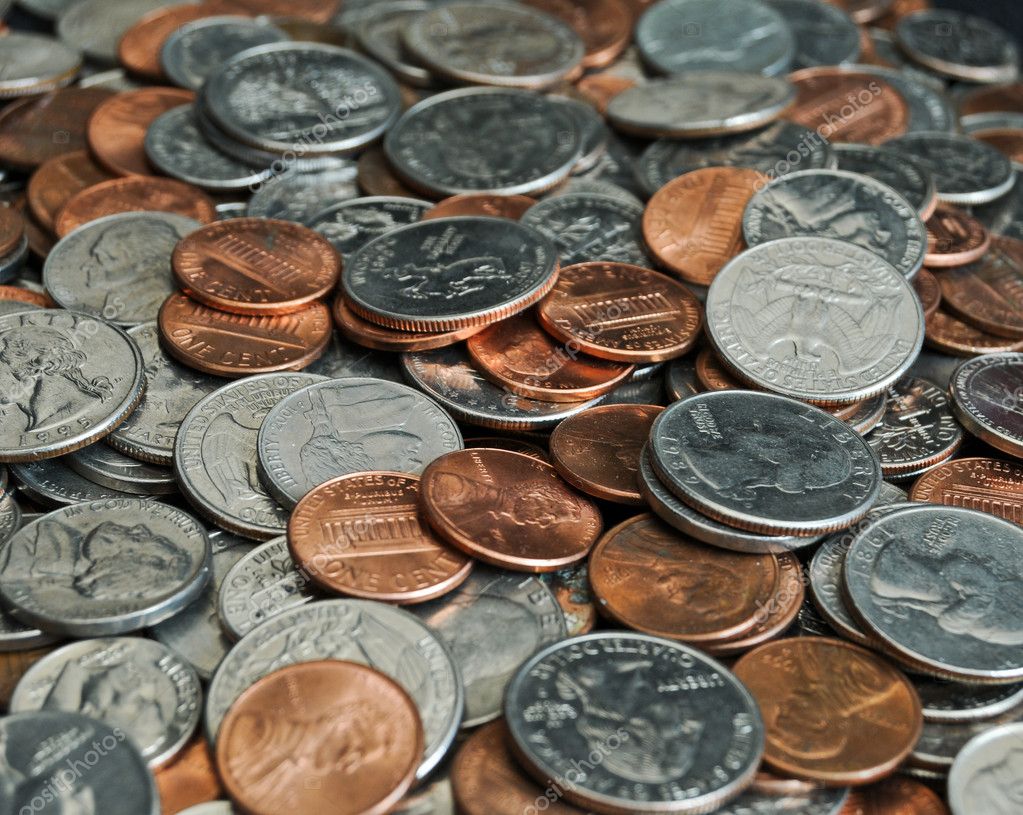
(595, 406)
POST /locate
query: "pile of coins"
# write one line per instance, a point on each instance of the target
(594, 406)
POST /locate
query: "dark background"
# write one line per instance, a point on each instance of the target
(1007, 13)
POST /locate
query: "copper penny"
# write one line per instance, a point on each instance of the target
(361, 535)
(653, 579)
(993, 99)
(951, 335)
(954, 238)
(139, 48)
(371, 335)
(847, 106)
(597, 451)
(600, 89)
(834, 712)
(320, 738)
(897, 795)
(713, 375)
(928, 289)
(492, 206)
(862, 11)
(622, 312)
(989, 293)
(375, 176)
(522, 358)
(899, 9)
(138, 193)
(12, 229)
(256, 266)
(58, 180)
(40, 239)
(117, 129)
(1006, 140)
(508, 509)
(39, 299)
(13, 666)
(985, 484)
(535, 449)
(693, 224)
(35, 130)
(191, 779)
(571, 588)
(235, 345)
(315, 11)
(604, 26)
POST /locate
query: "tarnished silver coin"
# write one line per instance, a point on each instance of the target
(492, 623)
(906, 176)
(825, 34)
(586, 226)
(66, 380)
(742, 456)
(488, 43)
(378, 32)
(171, 391)
(674, 730)
(449, 273)
(822, 801)
(295, 196)
(104, 567)
(95, 27)
(700, 103)
(106, 467)
(966, 171)
(131, 684)
(496, 140)
(117, 268)
(35, 751)
(346, 426)
(941, 742)
(195, 50)
(34, 63)
(215, 456)
(815, 318)
(937, 587)
(985, 776)
(53, 483)
(945, 701)
(842, 206)
(929, 108)
(678, 36)
(384, 637)
(988, 399)
(350, 225)
(958, 45)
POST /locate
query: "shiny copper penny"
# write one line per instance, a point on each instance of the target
(597, 451)
(375, 176)
(604, 26)
(834, 712)
(954, 238)
(236, 345)
(139, 48)
(896, 795)
(138, 193)
(989, 293)
(993, 99)
(13, 666)
(35, 130)
(652, 578)
(56, 181)
(320, 738)
(117, 129)
(843, 105)
(12, 229)
(26, 296)
(371, 335)
(984, 484)
(600, 89)
(713, 375)
(536, 450)
(508, 509)
(622, 312)
(256, 266)
(928, 289)
(1006, 140)
(522, 358)
(693, 224)
(492, 206)
(950, 335)
(362, 536)
(191, 779)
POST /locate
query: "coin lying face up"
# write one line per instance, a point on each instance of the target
(985, 775)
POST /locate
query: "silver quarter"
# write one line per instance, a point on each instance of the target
(985, 775)
(379, 33)
(295, 196)
(106, 467)
(34, 63)
(95, 27)
(906, 176)
(53, 483)
(825, 35)
(350, 225)
(958, 45)
(985, 398)
(195, 50)
(585, 227)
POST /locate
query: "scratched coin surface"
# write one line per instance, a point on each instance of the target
(985, 484)
(966, 170)
(986, 398)
(590, 226)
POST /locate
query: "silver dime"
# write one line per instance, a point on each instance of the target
(825, 35)
(494, 140)
(960, 46)
(965, 170)
(986, 399)
(350, 225)
(678, 36)
(906, 176)
(379, 33)
(131, 684)
(843, 206)
(65, 380)
(195, 50)
(815, 318)
(985, 775)
(491, 624)
(449, 273)
(38, 750)
(381, 636)
(741, 456)
(700, 103)
(117, 268)
(817, 802)
(104, 567)
(343, 359)
(346, 426)
(945, 701)
(489, 43)
(674, 730)
(929, 109)
(586, 226)
(941, 742)
(215, 455)
(106, 467)
(938, 587)
(34, 63)
(95, 27)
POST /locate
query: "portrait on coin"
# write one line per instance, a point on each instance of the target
(19, 787)
(997, 788)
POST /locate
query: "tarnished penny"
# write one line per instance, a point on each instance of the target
(834, 712)
(844, 105)
(508, 509)
(138, 193)
(361, 535)
(191, 779)
(985, 484)
(256, 266)
(989, 293)
(383, 338)
(597, 451)
(320, 738)
(951, 335)
(928, 289)
(56, 181)
(117, 128)
(622, 312)
(12, 229)
(236, 345)
(897, 795)
(693, 225)
(492, 206)
(954, 238)
(604, 26)
(653, 579)
(521, 357)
